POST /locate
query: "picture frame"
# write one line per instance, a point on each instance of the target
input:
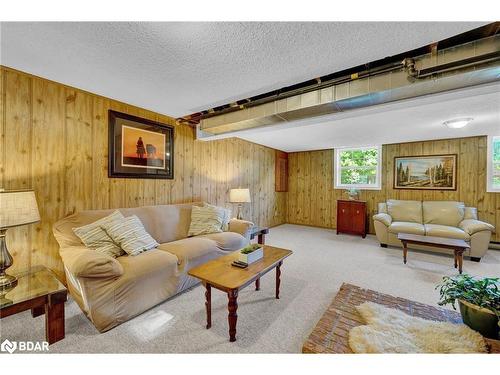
(139, 148)
(426, 172)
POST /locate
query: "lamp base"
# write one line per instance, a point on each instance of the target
(239, 216)
(7, 281)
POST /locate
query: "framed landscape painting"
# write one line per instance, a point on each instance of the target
(139, 148)
(436, 172)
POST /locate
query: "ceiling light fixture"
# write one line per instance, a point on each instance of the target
(458, 123)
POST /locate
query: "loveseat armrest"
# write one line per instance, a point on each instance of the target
(81, 261)
(240, 226)
(385, 219)
(472, 226)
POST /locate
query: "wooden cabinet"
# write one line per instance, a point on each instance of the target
(351, 217)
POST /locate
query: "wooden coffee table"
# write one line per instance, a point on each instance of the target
(220, 274)
(458, 246)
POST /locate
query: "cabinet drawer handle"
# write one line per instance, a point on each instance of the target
(357, 211)
(343, 210)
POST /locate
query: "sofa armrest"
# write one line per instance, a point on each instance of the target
(240, 226)
(80, 261)
(385, 219)
(472, 226)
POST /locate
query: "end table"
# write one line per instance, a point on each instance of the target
(260, 233)
(40, 291)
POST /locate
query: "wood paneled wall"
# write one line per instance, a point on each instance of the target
(54, 139)
(312, 200)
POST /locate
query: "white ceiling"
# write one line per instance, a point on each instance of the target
(180, 68)
(410, 120)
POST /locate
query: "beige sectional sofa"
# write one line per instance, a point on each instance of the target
(432, 218)
(111, 291)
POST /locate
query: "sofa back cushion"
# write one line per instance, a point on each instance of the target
(443, 212)
(409, 211)
(165, 223)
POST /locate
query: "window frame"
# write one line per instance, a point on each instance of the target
(337, 175)
(489, 165)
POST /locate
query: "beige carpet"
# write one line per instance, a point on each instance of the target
(310, 279)
(390, 330)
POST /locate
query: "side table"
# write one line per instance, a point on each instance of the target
(41, 292)
(260, 233)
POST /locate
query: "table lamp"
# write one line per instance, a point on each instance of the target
(17, 207)
(239, 196)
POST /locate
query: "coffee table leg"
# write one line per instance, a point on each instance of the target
(278, 280)
(208, 304)
(455, 255)
(405, 251)
(232, 318)
(460, 257)
(257, 284)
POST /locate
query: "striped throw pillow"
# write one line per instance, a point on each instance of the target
(226, 212)
(130, 234)
(205, 220)
(95, 238)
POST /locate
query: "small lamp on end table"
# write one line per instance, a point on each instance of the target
(239, 196)
(17, 207)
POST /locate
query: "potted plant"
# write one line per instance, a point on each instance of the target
(478, 300)
(353, 193)
(251, 253)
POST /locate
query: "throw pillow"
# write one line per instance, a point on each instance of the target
(130, 234)
(205, 220)
(95, 238)
(226, 212)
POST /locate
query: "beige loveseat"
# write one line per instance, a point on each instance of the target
(432, 218)
(111, 291)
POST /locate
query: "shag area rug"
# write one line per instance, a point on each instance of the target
(392, 331)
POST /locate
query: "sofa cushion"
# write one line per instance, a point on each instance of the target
(130, 234)
(226, 215)
(445, 231)
(443, 212)
(165, 223)
(206, 219)
(95, 237)
(192, 251)
(148, 262)
(406, 227)
(227, 241)
(405, 211)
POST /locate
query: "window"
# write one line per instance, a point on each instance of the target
(358, 168)
(493, 174)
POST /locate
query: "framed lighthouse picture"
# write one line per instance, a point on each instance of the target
(430, 172)
(139, 148)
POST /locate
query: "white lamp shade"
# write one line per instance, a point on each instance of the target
(239, 196)
(18, 208)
